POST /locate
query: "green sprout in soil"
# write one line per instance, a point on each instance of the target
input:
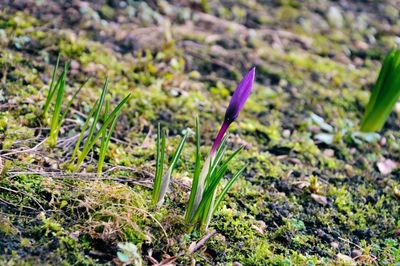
(161, 183)
(203, 199)
(58, 116)
(201, 214)
(104, 133)
(384, 94)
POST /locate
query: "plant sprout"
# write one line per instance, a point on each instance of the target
(161, 182)
(216, 169)
(57, 89)
(93, 136)
(51, 91)
(384, 94)
(202, 202)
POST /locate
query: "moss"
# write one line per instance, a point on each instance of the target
(268, 217)
(7, 228)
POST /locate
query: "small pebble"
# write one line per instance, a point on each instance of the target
(286, 133)
(313, 129)
(75, 64)
(335, 245)
(329, 152)
(382, 141)
(361, 45)
(320, 199)
(355, 253)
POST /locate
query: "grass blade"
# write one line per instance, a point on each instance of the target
(227, 188)
(51, 91)
(69, 104)
(197, 169)
(166, 179)
(97, 113)
(384, 94)
(57, 109)
(105, 140)
(160, 146)
(90, 143)
(84, 127)
(204, 205)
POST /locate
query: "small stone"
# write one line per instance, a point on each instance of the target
(320, 199)
(386, 166)
(358, 61)
(335, 245)
(286, 133)
(72, 15)
(382, 141)
(260, 227)
(75, 64)
(342, 58)
(361, 45)
(355, 253)
(329, 153)
(335, 17)
(237, 264)
(313, 129)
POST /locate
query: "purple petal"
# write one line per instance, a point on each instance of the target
(240, 96)
(219, 137)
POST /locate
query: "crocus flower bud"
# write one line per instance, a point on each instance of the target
(239, 97)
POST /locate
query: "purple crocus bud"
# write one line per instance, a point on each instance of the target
(239, 97)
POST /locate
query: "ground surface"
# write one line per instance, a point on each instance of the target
(313, 193)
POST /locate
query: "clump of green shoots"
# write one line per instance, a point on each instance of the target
(161, 182)
(92, 136)
(384, 94)
(200, 211)
(57, 88)
(204, 197)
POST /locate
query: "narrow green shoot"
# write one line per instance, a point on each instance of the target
(201, 213)
(51, 91)
(166, 179)
(195, 182)
(384, 94)
(104, 141)
(69, 104)
(58, 118)
(83, 131)
(104, 133)
(204, 197)
(160, 151)
(161, 182)
(55, 119)
(57, 88)
(227, 187)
